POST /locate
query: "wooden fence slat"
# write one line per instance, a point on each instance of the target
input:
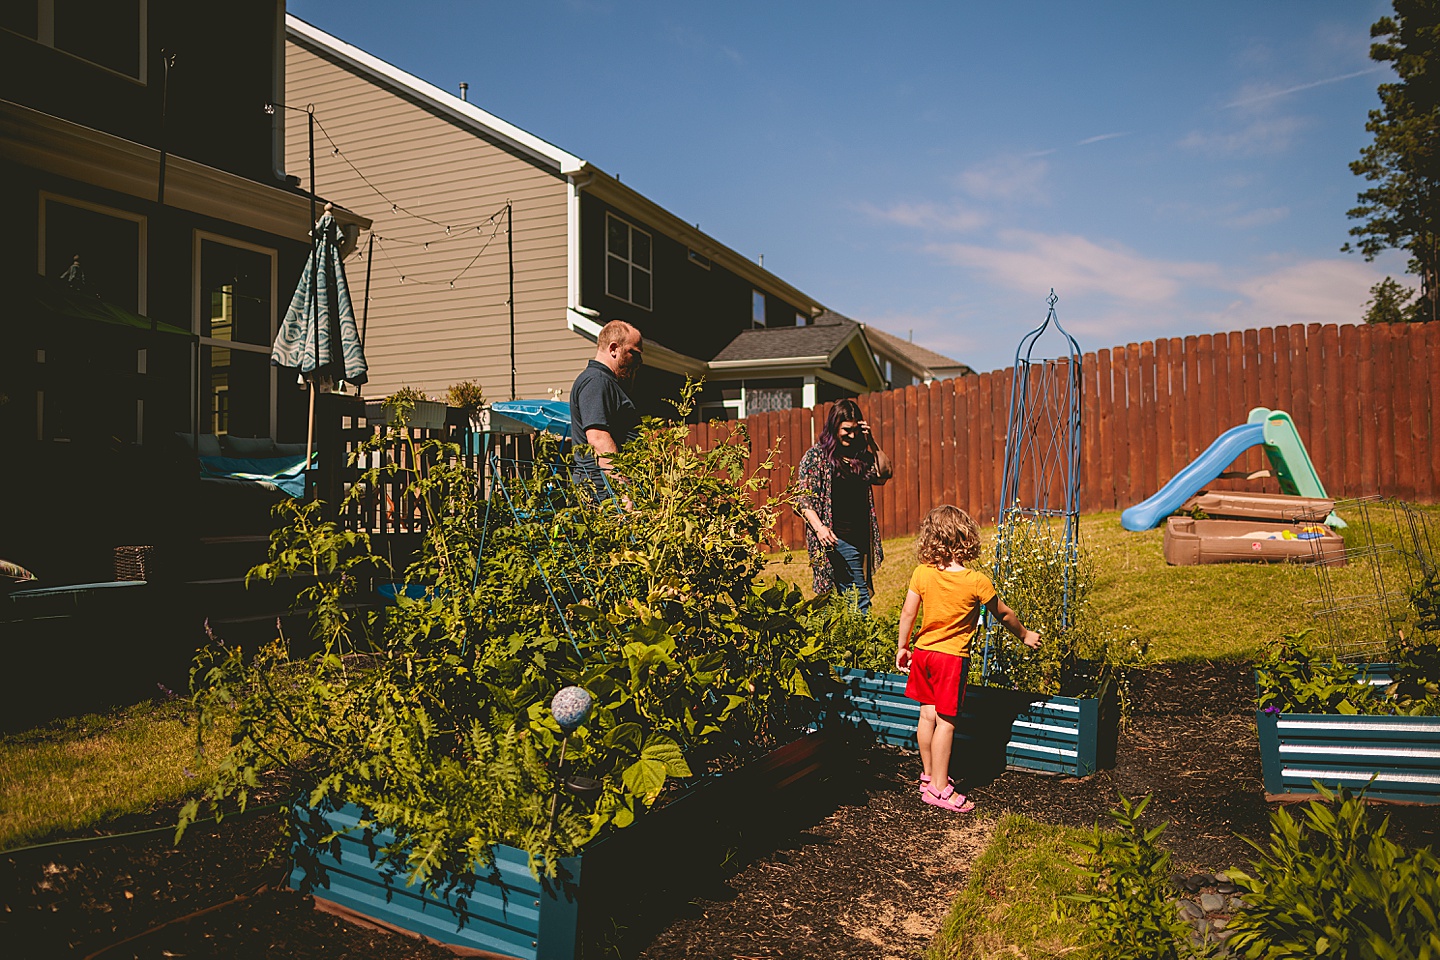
(1399, 402)
(1350, 399)
(1128, 449)
(1164, 428)
(984, 447)
(1334, 408)
(1108, 454)
(1194, 428)
(1281, 399)
(1418, 383)
(1432, 350)
(1220, 387)
(1148, 472)
(1386, 468)
(922, 463)
(944, 483)
(1089, 436)
(1315, 369)
(963, 459)
(1299, 408)
(1369, 430)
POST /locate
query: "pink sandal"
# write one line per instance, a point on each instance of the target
(925, 782)
(948, 799)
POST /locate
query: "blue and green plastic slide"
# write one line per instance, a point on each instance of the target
(1272, 429)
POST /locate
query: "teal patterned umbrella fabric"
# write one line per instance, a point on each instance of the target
(321, 317)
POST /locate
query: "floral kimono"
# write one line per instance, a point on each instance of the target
(816, 481)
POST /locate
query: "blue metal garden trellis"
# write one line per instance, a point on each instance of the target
(1041, 479)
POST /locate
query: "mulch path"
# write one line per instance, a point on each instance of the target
(867, 872)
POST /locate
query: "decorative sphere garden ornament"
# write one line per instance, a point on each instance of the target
(571, 707)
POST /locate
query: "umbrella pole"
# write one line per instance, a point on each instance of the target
(310, 431)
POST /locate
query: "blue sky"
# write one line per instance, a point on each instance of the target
(937, 167)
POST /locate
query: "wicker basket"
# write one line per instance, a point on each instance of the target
(134, 563)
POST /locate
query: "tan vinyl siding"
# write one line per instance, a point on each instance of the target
(423, 333)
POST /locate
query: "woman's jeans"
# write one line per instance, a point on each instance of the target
(847, 567)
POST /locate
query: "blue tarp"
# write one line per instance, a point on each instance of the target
(551, 415)
(286, 474)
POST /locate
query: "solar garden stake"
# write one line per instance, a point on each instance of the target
(570, 707)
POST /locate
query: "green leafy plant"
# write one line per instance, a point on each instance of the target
(1294, 678)
(1080, 654)
(402, 402)
(467, 395)
(853, 638)
(1131, 913)
(434, 718)
(1332, 884)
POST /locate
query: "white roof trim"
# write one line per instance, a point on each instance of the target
(461, 110)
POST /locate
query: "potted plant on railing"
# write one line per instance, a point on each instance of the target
(1374, 726)
(427, 754)
(408, 407)
(1054, 710)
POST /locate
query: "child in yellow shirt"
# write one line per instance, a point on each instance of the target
(952, 598)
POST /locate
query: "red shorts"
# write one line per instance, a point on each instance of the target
(938, 680)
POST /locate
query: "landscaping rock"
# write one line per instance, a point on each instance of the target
(1212, 902)
(1190, 911)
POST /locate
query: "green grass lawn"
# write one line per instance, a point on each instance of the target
(1013, 904)
(75, 773)
(1211, 611)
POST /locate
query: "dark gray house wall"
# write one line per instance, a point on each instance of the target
(697, 307)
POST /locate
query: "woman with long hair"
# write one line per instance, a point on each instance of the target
(837, 501)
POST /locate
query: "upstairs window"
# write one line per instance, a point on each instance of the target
(757, 308)
(107, 33)
(628, 268)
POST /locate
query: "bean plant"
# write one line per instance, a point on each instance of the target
(1081, 652)
(434, 718)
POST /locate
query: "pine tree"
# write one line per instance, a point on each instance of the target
(1403, 161)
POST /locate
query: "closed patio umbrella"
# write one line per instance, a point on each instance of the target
(318, 336)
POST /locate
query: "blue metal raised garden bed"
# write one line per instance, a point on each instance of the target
(1058, 735)
(1401, 754)
(506, 912)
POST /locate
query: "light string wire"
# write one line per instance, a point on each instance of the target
(450, 230)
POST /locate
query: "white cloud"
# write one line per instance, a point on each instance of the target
(1313, 291)
(929, 216)
(1007, 179)
(1099, 138)
(1074, 265)
(1260, 136)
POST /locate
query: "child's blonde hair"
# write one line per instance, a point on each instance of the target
(947, 535)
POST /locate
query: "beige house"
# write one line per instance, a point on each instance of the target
(458, 196)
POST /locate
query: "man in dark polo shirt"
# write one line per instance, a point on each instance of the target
(601, 415)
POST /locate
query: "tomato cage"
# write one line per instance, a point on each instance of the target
(550, 508)
(1040, 485)
(1383, 589)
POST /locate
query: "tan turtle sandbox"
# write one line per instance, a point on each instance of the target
(1189, 541)
(1261, 506)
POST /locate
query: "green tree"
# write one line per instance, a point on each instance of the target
(1403, 160)
(1391, 303)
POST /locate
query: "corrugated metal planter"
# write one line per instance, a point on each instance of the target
(1401, 754)
(507, 912)
(1013, 729)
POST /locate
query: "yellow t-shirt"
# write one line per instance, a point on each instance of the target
(951, 601)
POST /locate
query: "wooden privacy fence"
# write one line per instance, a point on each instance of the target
(1365, 399)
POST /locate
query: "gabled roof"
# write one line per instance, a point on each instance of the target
(809, 350)
(914, 356)
(819, 342)
(462, 110)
